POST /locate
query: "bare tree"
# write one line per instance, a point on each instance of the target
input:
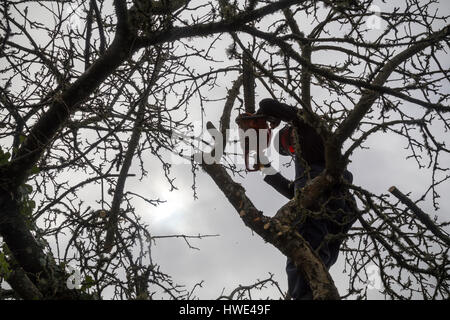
(94, 88)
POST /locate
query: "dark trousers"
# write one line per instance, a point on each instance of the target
(313, 231)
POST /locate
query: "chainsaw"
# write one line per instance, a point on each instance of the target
(247, 121)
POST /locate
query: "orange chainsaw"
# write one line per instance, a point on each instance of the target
(247, 121)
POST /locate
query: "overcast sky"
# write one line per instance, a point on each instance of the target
(237, 256)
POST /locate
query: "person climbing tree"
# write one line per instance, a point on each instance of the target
(325, 229)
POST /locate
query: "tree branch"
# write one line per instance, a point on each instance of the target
(422, 216)
(365, 102)
(234, 23)
(248, 80)
(225, 118)
(287, 49)
(59, 112)
(23, 286)
(132, 146)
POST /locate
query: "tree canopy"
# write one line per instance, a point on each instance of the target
(91, 88)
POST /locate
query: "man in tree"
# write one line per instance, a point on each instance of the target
(324, 230)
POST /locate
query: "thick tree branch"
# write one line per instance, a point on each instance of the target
(13, 226)
(231, 24)
(228, 107)
(248, 80)
(23, 286)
